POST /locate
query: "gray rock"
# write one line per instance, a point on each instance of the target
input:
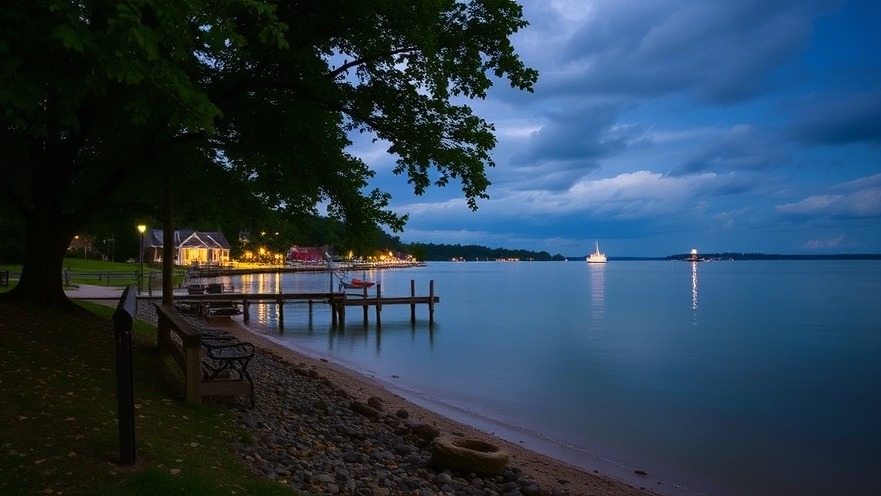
(375, 402)
(365, 410)
(426, 432)
(530, 489)
(322, 441)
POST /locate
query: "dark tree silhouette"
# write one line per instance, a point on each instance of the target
(106, 104)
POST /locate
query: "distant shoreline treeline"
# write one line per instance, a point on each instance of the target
(431, 252)
(776, 256)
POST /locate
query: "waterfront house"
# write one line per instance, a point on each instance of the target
(190, 247)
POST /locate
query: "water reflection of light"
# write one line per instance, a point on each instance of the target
(597, 292)
(264, 313)
(261, 283)
(694, 293)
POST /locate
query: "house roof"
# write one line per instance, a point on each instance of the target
(188, 238)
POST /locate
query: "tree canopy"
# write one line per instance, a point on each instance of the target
(107, 105)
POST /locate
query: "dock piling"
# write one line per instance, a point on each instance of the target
(413, 301)
(431, 300)
(378, 306)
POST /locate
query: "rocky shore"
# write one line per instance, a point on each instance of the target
(321, 429)
(315, 437)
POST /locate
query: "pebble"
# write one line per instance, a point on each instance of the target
(315, 437)
(347, 446)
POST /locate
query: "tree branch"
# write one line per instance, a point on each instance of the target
(348, 65)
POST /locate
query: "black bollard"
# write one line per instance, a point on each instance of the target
(123, 318)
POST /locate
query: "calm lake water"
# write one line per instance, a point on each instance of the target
(729, 378)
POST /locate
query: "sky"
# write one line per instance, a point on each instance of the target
(661, 126)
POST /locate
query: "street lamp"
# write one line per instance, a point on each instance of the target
(141, 229)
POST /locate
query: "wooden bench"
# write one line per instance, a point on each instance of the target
(211, 367)
(225, 358)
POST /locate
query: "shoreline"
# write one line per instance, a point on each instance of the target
(579, 459)
(553, 475)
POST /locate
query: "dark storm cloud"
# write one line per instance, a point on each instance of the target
(742, 148)
(580, 135)
(839, 120)
(722, 52)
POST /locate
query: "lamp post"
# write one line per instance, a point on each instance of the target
(141, 229)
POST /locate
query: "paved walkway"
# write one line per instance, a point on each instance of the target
(90, 292)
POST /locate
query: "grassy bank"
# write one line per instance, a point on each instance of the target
(59, 423)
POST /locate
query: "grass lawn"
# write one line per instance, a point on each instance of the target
(95, 272)
(58, 415)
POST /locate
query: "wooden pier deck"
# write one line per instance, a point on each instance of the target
(338, 301)
(364, 300)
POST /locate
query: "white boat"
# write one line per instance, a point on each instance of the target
(596, 256)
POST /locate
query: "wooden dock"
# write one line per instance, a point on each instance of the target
(365, 301)
(338, 301)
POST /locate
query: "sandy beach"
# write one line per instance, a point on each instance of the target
(553, 476)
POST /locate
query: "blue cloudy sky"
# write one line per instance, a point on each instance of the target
(661, 126)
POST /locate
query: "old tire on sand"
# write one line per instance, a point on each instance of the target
(468, 455)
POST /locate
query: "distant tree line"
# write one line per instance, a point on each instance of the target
(266, 228)
(777, 256)
(444, 252)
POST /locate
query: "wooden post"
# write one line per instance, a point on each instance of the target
(378, 305)
(123, 317)
(413, 304)
(163, 335)
(431, 302)
(246, 310)
(167, 234)
(279, 303)
(193, 368)
(342, 310)
(364, 307)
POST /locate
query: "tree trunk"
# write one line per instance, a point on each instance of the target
(168, 245)
(48, 235)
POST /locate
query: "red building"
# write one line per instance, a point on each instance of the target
(308, 254)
